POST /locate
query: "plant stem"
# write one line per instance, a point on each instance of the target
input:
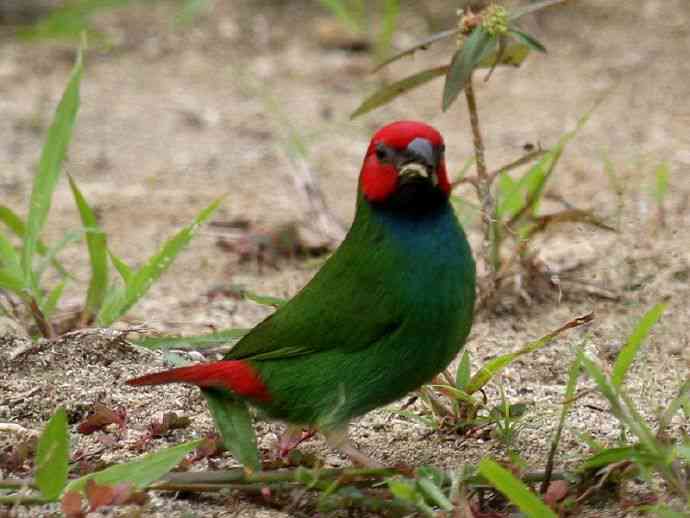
(491, 244)
(44, 325)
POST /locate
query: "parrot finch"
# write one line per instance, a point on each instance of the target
(387, 312)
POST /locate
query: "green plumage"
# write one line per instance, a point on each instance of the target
(386, 313)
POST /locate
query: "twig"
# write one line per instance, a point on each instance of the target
(44, 325)
(490, 246)
(22, 500)
(526, 159)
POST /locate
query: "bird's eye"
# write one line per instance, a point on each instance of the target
(381, 152)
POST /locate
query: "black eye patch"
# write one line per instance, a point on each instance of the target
(384, 153)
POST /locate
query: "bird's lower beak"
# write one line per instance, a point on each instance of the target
(418, 161)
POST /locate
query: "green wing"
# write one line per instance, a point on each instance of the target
(348, 305)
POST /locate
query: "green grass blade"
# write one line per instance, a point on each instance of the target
(52, 456)
(190, 10)
(624, 411)
(52, 156)
(150, 272)
(234, 422)
(569, 397)
(198, 342)
(122, 268)
(462, 376)
(493, 367)
(627, 354)
(529, 40)
(49, 303)
(340, 10)
(391, 91)
(264, 300)
(391, 11)
(9, 258)
(12, 220)
(515, 490)
(51, 254)
(140, 472)
(97, 246)
(10, 281)
(661, 175)
(614, 455)
(434, 493)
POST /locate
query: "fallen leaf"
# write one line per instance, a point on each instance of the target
(557, 491)
(71, 505)
(170, 421)
(100, 417)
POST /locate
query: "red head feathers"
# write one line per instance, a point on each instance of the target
(402, 150)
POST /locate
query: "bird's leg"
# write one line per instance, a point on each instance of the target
(293, 436)
(338, 439)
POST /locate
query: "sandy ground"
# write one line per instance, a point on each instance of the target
(172, 118)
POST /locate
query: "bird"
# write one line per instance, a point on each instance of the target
(387, 312)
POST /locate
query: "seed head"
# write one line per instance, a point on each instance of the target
(495, 20)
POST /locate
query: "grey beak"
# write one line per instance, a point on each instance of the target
(421, 150)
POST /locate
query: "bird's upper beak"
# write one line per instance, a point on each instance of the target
(419, 160)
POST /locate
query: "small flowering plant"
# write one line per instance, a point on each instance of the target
(486, 39)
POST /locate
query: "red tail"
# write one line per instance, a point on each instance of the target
(235, 375)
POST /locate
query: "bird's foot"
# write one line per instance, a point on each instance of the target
(293, 437)
(339, 440)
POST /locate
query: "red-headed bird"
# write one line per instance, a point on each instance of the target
(387, 312)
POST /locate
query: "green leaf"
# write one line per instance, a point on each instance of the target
(16, 225)
(70, 21)
(391, 11)
(527, 192)
(197, 342)
(623, 409)
(70, 237)
(9, 258)
(475, 48)
(340, 10)
(98, 252)
(511, 55)
(234, 422)
(515, 490)
(190, 10)
(140, 282)
(529, 40)
(531, 8)
(493, 367)
(122, 268)
(402, 489)
(10, 281)
(393, 90)
(627, 354)
(422, 45)
(434, 494)
(613, 455)
(462, 376)
(264, 300)
(52, 456)
(140, 472)
(52, 156)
